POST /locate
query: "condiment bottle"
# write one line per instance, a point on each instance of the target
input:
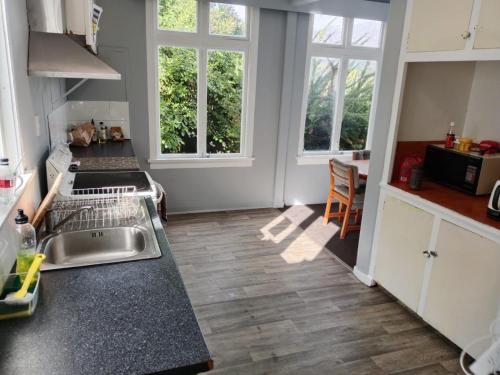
(6, 181)
(450, 137)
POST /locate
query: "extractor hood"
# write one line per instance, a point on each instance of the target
(53, 53)
(57, 55)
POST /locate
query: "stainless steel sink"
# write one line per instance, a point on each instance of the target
(100, 246)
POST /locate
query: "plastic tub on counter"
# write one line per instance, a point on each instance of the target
(15, 309)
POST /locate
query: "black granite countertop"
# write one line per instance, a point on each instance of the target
(108, 149)
(124, 318)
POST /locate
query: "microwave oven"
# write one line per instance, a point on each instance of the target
(469, 172)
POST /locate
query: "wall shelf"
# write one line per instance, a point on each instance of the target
(58, 56)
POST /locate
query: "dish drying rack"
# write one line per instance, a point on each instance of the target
(110, 207)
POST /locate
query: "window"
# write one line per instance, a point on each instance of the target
(343, 61)
(9, 138)
(201, 73)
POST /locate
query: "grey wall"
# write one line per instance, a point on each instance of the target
(123, 30)
(376, 10)
(304, 184)
(382, 119)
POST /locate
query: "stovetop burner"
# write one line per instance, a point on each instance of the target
(92, 180)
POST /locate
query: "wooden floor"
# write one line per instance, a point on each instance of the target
(271, 300)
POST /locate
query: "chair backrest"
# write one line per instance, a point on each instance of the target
(344, 175)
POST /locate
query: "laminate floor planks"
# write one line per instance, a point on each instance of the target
(270, 299)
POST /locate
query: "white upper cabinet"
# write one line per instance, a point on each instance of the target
(463, 29)
(439, 25)
(488, 26)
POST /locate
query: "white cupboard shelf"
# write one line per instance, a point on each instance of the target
(462, 297)
(57, 56)
(454, 285)
(400, 264)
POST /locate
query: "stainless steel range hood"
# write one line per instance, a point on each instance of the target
(52, 53)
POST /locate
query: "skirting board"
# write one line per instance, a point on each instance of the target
(242, 208)
(364, 278)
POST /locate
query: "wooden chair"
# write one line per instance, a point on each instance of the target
(346, 188)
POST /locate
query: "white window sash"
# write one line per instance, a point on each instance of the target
(9, 124)
(203, 42)
(343, 52)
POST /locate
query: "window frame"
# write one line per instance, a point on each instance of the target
(203, 42)
(344, 52)
(10, 145)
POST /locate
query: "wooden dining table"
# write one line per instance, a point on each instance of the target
(363, 166)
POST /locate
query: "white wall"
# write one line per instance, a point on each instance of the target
(379, 143)
(34, 97)
(483, 113)
(435, 94)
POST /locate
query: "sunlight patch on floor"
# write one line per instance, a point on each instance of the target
(310, 242)
(295, 215)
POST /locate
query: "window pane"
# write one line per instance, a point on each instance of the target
(321, 103)
(177, 15)
(327, 29)
(366, 33)
(357, 104)
(228, 19)
(178, 74)
(224, 98)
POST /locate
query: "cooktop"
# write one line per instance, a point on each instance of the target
(89, 180)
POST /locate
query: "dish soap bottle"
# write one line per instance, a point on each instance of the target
(26, 242)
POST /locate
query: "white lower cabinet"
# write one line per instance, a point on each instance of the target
(404, 234)
(457, 288)
(463, 294)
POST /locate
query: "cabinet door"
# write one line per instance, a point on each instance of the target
(438, 25)
(404, 233)
(488, 28)
(464, 289)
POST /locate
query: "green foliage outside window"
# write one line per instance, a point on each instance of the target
(357, 105)
(178, 77)
(322, 96)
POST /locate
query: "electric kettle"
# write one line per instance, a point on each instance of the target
(494, 203)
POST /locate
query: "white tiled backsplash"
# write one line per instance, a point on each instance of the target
(78, 112)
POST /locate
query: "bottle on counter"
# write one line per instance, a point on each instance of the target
(102, 135)
(26, 245)
(94, 135)
(450, 137)
(7, 181)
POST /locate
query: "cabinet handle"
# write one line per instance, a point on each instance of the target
(466, 35)
(429, 254)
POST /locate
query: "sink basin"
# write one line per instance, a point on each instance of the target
(99, 246)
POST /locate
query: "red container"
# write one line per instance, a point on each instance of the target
(405, 169)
